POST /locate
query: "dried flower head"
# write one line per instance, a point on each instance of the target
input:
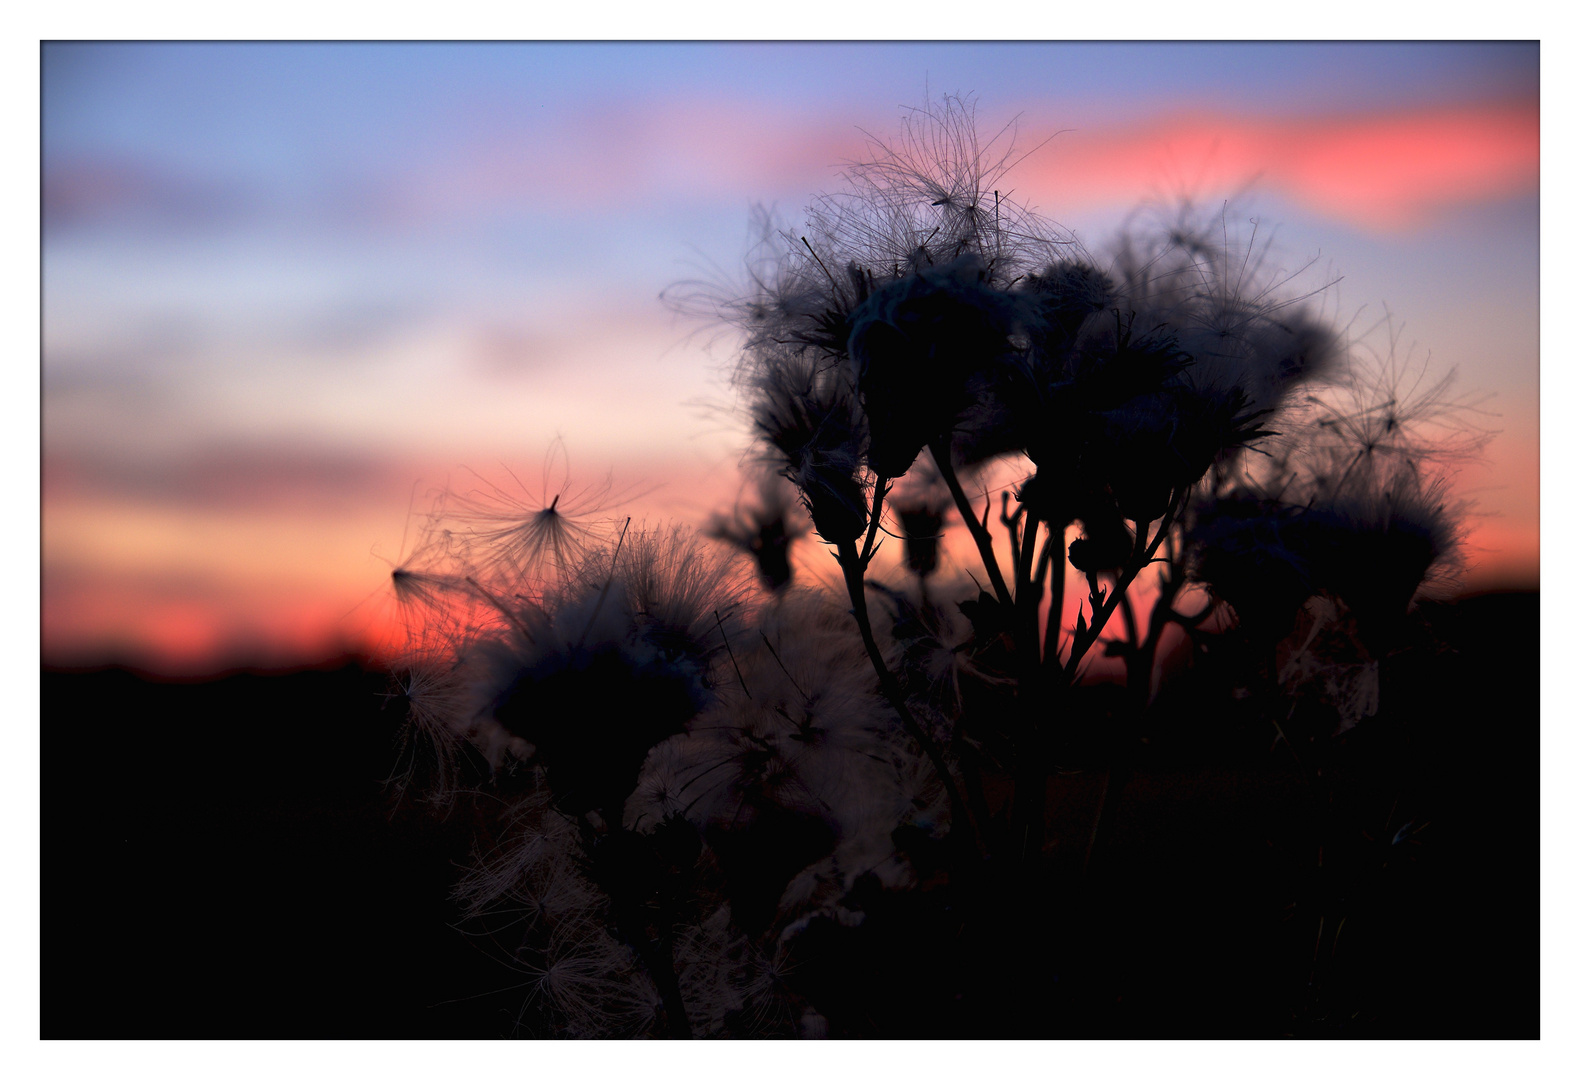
(1374, 547)
(932, 195)
(1237, 316)
(923, 347)
(766, 529)
(922, 502)
(805, 410)
(609, 665)
(1252, 553)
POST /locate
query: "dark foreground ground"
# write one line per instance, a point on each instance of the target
(222, 860)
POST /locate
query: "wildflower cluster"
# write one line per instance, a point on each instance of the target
(688, 776)
(717, 789)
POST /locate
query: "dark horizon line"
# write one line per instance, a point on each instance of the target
(273, 663)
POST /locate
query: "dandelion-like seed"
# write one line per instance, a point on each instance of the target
(932, 195)
(1390, 414)
(519, 535)
(433, 697)
(589, 985)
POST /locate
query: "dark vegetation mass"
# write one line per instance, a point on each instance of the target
(224, 860)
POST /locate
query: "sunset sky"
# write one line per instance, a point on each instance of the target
(291, 289)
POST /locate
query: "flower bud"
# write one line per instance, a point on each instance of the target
(920, 346)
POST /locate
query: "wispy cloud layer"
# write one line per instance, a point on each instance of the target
(1381, 169)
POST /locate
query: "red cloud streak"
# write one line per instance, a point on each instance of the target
(1385, 171)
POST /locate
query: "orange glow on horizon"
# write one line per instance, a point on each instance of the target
(139, 624)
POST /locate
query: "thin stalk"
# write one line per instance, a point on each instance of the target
(1139, 662)
(659, 959)
(855, 584)
(1031, 775)
(499, 606)
(657, 956)
(1128, 610)
(1114, 782)
(1138, 686)
(979, 531)
(1011, 524)
(720, 620)
(971, 773)
(1056, 574)
(604, 595)
(1101, 615)
(879, 489)
(1045, 559)
(1027, 598)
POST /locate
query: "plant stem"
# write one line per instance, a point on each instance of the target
(879, 489)
(1143, 558)
(1028, 599)
(979, 532)
(1139, 662)
(1058, 567)
(1031, 774)
(604, 595)
(659, 959)
(657, 956)
(500, 607)
(855, 584)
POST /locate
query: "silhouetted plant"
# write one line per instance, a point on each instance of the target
(714, 786)
(766, 530)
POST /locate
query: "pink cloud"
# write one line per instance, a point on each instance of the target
(611, 157)
(86, 189)
(1384, 171)
(1381, 170)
